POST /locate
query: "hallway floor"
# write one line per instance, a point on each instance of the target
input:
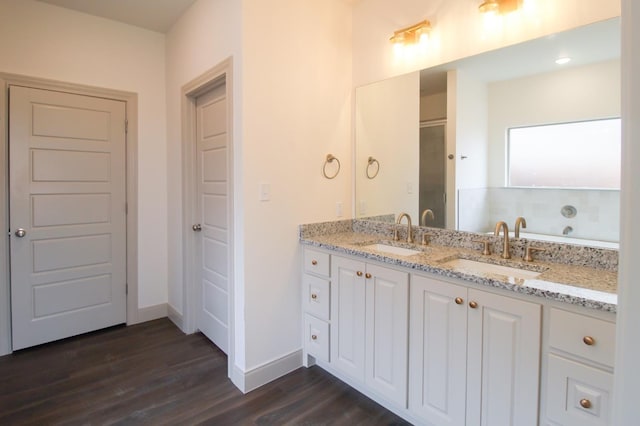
(152, 373)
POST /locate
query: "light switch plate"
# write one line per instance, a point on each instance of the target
(265, 192)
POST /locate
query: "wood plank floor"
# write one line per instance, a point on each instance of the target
(152, 373)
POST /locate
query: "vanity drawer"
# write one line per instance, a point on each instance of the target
(316, 334)
(316, 296)
(316, 262)
(578, 395)
(583, 336)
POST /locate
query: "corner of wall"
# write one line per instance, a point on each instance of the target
(253, 379)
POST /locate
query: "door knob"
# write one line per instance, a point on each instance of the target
(20, 232)
(197, 227)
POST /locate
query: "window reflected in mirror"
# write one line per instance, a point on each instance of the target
(584, 154)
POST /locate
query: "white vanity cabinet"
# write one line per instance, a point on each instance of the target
(369, 326)
(580, 361)
(315, 304)
(441, 352)
(474, 356)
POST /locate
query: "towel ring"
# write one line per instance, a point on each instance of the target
(370, 162)
(330, 159)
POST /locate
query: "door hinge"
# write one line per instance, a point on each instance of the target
(126, 126)
(126, 208)
(126, 288)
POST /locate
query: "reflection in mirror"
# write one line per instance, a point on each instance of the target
(441, 137)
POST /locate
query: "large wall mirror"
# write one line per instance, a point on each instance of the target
(450, 139)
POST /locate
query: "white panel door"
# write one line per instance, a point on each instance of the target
(438, 351)
(67, 214)
(503, 360)
(387, 332)
(347, 316)
(212, 255)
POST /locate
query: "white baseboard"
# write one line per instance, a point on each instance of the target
(175, 317)
(253, 379)
(151, 313)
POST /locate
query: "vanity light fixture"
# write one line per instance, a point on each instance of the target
(499, 6)
(413, 34)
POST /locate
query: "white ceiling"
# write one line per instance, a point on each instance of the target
(155, 15)
(584, 45)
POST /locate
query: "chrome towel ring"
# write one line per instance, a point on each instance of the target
(330, 159)
(370, 162)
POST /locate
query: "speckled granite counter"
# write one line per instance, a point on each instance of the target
(580, 285)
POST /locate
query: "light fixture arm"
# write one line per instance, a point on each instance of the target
(411, 34)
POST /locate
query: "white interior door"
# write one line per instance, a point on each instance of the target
(212, 253)
(67, 214)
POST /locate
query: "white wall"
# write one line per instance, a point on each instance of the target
(627, 373)
(581, 93)
(292, 106)
(297, 103)
(41, 40)
(459, 30)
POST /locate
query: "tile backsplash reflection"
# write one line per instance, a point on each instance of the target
(597, 212)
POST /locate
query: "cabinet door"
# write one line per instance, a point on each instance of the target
(387, 330)
(438, 351)
(503, 360)
(347, 316)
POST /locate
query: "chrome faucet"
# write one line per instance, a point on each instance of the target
(520, 221)
(425, 214)
(409, 231)
(505, 229)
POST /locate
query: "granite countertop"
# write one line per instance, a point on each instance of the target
(579, 285)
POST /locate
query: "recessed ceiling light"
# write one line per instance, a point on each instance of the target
(562, 61)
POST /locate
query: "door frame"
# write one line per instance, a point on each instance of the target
(131, 176)
(219, 74)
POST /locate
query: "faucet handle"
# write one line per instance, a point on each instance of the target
(425, 238)
(528, 253)
(395, 235)
(486, 248)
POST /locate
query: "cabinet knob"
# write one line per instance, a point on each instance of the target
(473, 304)
(585, 403)
(589, 341)
(314, 262)
(314, 296)
(359, 273)
(314, 337)
(367, 275)
(459, 300)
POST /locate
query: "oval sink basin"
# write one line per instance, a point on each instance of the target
(475, 267)
(385, 248)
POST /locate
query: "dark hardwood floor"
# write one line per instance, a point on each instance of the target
(151, 373)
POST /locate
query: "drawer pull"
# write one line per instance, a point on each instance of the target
(359, 273)
(314, 262)
(314, 296)
(367, 275)
(589, 341)
(473, 304)
(585, 403)
(314, 337)
(459, 300)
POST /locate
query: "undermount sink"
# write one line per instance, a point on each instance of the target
(475, 267)
(385, 248)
